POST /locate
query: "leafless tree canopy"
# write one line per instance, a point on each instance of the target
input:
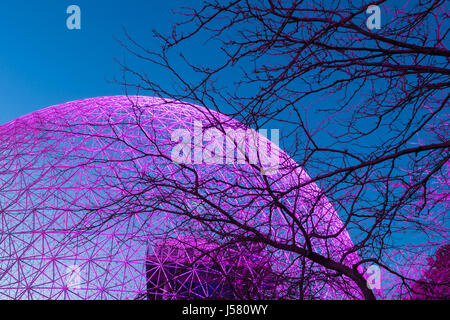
(363, 112)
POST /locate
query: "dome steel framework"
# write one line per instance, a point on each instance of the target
(93, 207)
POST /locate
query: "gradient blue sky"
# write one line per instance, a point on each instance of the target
(42, 63)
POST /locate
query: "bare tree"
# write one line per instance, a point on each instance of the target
(364, 112)
(364, 119)
(434, 283)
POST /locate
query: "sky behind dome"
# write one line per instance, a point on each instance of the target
(43, 63)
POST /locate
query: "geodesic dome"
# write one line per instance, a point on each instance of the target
(95, 204)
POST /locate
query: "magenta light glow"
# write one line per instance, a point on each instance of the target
(93, 207)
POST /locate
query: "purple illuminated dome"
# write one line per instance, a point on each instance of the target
(108, 198)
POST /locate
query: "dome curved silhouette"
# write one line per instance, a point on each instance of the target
(118, 198)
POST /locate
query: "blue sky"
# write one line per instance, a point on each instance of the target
(42, 63)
